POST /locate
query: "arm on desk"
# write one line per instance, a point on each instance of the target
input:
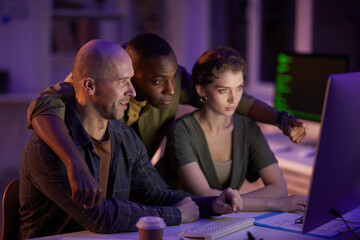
(259, 200)
(49, 177)
(282, 204)
(273, 179)
(273, 196)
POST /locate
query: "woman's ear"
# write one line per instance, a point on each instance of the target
(88, 85)
(200, 90)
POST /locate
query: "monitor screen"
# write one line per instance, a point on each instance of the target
(335, 183)
(300, 82)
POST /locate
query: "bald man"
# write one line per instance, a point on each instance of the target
(114, 155)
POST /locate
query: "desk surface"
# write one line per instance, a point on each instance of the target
(170, 232)
(299, 157)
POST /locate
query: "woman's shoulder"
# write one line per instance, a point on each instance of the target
(187, 121)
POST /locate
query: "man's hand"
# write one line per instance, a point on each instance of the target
(228, 201)
(293, 128)
(189, 210)
(85, 189)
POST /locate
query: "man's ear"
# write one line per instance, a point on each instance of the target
(201, 90)
(88, 85)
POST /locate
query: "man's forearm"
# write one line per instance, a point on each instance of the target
(261, 112)
(120, 215)
(53, 131)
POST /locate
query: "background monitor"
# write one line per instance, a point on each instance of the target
(335, 183)
(300, 82)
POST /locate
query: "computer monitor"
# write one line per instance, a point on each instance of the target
(300, 82)
(335, 183)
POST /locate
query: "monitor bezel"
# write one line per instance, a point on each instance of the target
(335, 184)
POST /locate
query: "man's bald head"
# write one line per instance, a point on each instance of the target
(102, 75)
(94, 60)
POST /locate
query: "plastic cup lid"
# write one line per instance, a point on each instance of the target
(150, 222)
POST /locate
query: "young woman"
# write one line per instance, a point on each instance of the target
(213, 148)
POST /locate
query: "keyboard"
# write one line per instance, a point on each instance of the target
(218, 228)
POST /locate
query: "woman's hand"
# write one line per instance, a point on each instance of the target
(289, 204)
(228, 201)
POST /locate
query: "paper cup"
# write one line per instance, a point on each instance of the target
(150, 228)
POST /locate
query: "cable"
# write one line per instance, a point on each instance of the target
(338, 215)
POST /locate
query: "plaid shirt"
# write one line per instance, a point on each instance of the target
(45, 193)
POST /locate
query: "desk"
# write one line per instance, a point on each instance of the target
(170, 232)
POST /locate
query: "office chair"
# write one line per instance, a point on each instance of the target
(10, 210)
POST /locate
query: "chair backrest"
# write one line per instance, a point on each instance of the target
(10, 209)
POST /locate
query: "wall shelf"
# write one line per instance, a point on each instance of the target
(87, 13)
